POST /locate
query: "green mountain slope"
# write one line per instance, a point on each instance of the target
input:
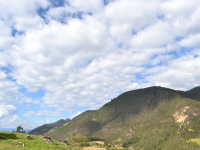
(195, 90)
(36, 144)
(41, 130)
(161, 118)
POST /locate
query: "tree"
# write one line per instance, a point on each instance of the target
(19, 128)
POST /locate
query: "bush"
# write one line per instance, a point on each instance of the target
(131, 142)
(79, 140)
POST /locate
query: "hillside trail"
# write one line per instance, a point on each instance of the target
(92, 148)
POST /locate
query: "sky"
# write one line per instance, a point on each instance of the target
(59, 58)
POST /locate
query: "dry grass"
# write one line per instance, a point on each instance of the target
(93, 148)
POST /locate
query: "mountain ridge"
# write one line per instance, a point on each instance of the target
(41, 130)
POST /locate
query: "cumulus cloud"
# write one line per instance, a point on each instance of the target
(7, 111)
(10, 93)
(181, 73)
(23, 16)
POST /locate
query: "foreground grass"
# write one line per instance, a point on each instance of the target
(37, 144)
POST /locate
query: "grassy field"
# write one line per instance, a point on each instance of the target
(36, 144)
(195, 140)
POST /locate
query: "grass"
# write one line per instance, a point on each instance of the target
(195, 140)
(36, 144)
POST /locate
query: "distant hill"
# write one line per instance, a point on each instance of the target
(41, 130)
(195, 90)
(154, 118)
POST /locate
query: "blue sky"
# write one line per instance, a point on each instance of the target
(59, 58)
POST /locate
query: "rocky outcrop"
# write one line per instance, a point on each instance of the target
(29, 137)
(47, 140)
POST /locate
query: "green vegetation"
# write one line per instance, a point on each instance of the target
(78, 140)
(131, 142)
(36, 144)
(19, 129)
(196, 140)
(150, 118)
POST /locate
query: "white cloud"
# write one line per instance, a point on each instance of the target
(191, 41)
(7, 111)
(10, 92)
(87, 5)
(44, 113)
(154, 36)
(14, 121)
(2, 75)
(126, 16)
(181, 73)
(23, 15)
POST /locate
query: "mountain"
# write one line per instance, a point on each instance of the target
(154, 118)
(195, 90)
(41, 130)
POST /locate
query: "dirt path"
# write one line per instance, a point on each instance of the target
(93, 148)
